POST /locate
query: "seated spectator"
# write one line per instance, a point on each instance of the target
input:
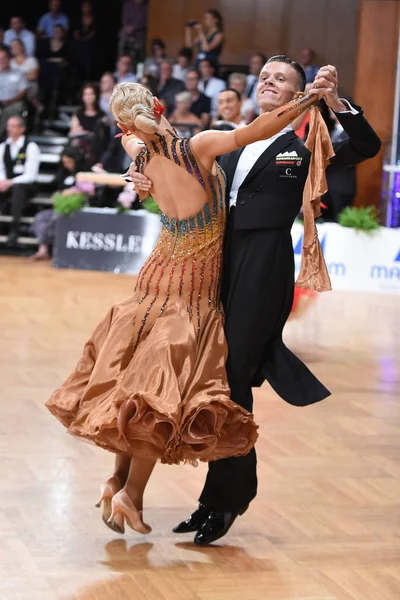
(124, 70)
(201, 104)
(52, 18)
(132, 37)
(2, 37)
(183, 64)
(107, 84)
(237, 81)
(257, 61)
(209, 39)
(158, 55)
(13, 87)
(89, 126)
(182, 116)
(44, 225)
(18, 31)
(168, 87)
(29, 67)
(229, 108)
(83, 43)
(210, 85)
(19, 168)
(307, 57)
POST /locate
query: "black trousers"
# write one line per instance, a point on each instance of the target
(257, 294)
(18, 196)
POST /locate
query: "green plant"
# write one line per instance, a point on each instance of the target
(67, 204)
(150, 205)
(363, 218)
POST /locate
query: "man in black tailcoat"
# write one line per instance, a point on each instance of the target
(265, 183)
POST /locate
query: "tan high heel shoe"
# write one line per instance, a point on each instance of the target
(107, 491)
(123, 510)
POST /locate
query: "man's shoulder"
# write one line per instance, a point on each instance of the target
(32, 145)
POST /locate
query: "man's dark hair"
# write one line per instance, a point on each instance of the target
(186, 53)
(158, 42)
(296, 66)
(261, 55)
(210, 62)
(193, 70)
(231, 90)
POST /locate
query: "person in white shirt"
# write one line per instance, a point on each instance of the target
(257, 61)
(209, 85)
(183, 64)
(18, 31)
(238, 81)
(13, 86)
(19, 168)
(124, 70)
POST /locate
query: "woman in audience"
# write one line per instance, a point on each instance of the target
(83, 44)
(158, 54)
(182, 116)
(29, 66)
(89, 125)
(209, 40)
(107, 83)
(53, 56)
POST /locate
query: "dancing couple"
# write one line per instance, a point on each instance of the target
(156, 380)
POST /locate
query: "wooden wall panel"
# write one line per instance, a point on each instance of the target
(270, 26)
(375, 84)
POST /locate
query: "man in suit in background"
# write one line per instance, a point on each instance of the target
(265, 183)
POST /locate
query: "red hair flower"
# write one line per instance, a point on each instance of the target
(158, 108)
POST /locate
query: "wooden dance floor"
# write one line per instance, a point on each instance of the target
(326, 522)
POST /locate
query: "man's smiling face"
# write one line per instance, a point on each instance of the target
(278, 84)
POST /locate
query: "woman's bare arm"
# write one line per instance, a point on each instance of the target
(210, 144)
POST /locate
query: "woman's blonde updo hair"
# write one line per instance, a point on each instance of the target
(133, 104)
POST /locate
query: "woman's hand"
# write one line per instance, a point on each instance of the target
(326, 86)
(140, 182)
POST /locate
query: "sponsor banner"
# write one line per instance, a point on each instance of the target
(357, 260)
(104, 240)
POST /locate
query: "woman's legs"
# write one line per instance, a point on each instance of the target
(128, 503)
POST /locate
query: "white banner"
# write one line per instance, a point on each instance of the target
(357, 260)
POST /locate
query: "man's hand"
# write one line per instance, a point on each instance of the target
(326, 81)
(5, 185)
(140, 182)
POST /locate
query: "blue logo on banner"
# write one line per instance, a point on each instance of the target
(299, 245)
(336, 269)
(385, 271)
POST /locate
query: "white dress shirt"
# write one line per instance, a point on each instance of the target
(248, 158)
(30, 169)
(253, 151)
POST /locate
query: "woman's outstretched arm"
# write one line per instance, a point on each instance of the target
(210, 144)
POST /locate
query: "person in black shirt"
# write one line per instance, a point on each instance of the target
(201, 104)
(168, 87)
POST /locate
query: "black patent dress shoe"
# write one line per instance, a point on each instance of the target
(194, 522)
(216, 526)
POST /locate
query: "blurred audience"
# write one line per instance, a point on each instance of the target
(18, 31)
(168, 87)
(124, 70)
(182, 116)
(107, 83)
(210, 85)
(19, 168)
(158, 54)
(132, 36)
(183, 64)
(256, 63)
(238, 81)
(209, 37)
(307, 57)
(150, 82)
(201, 104)
(52, 18)
(89, 125)
(84, 40)
(54, 76)
(13, 88)
(29, 67)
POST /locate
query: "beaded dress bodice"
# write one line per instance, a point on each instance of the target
(186, 263)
